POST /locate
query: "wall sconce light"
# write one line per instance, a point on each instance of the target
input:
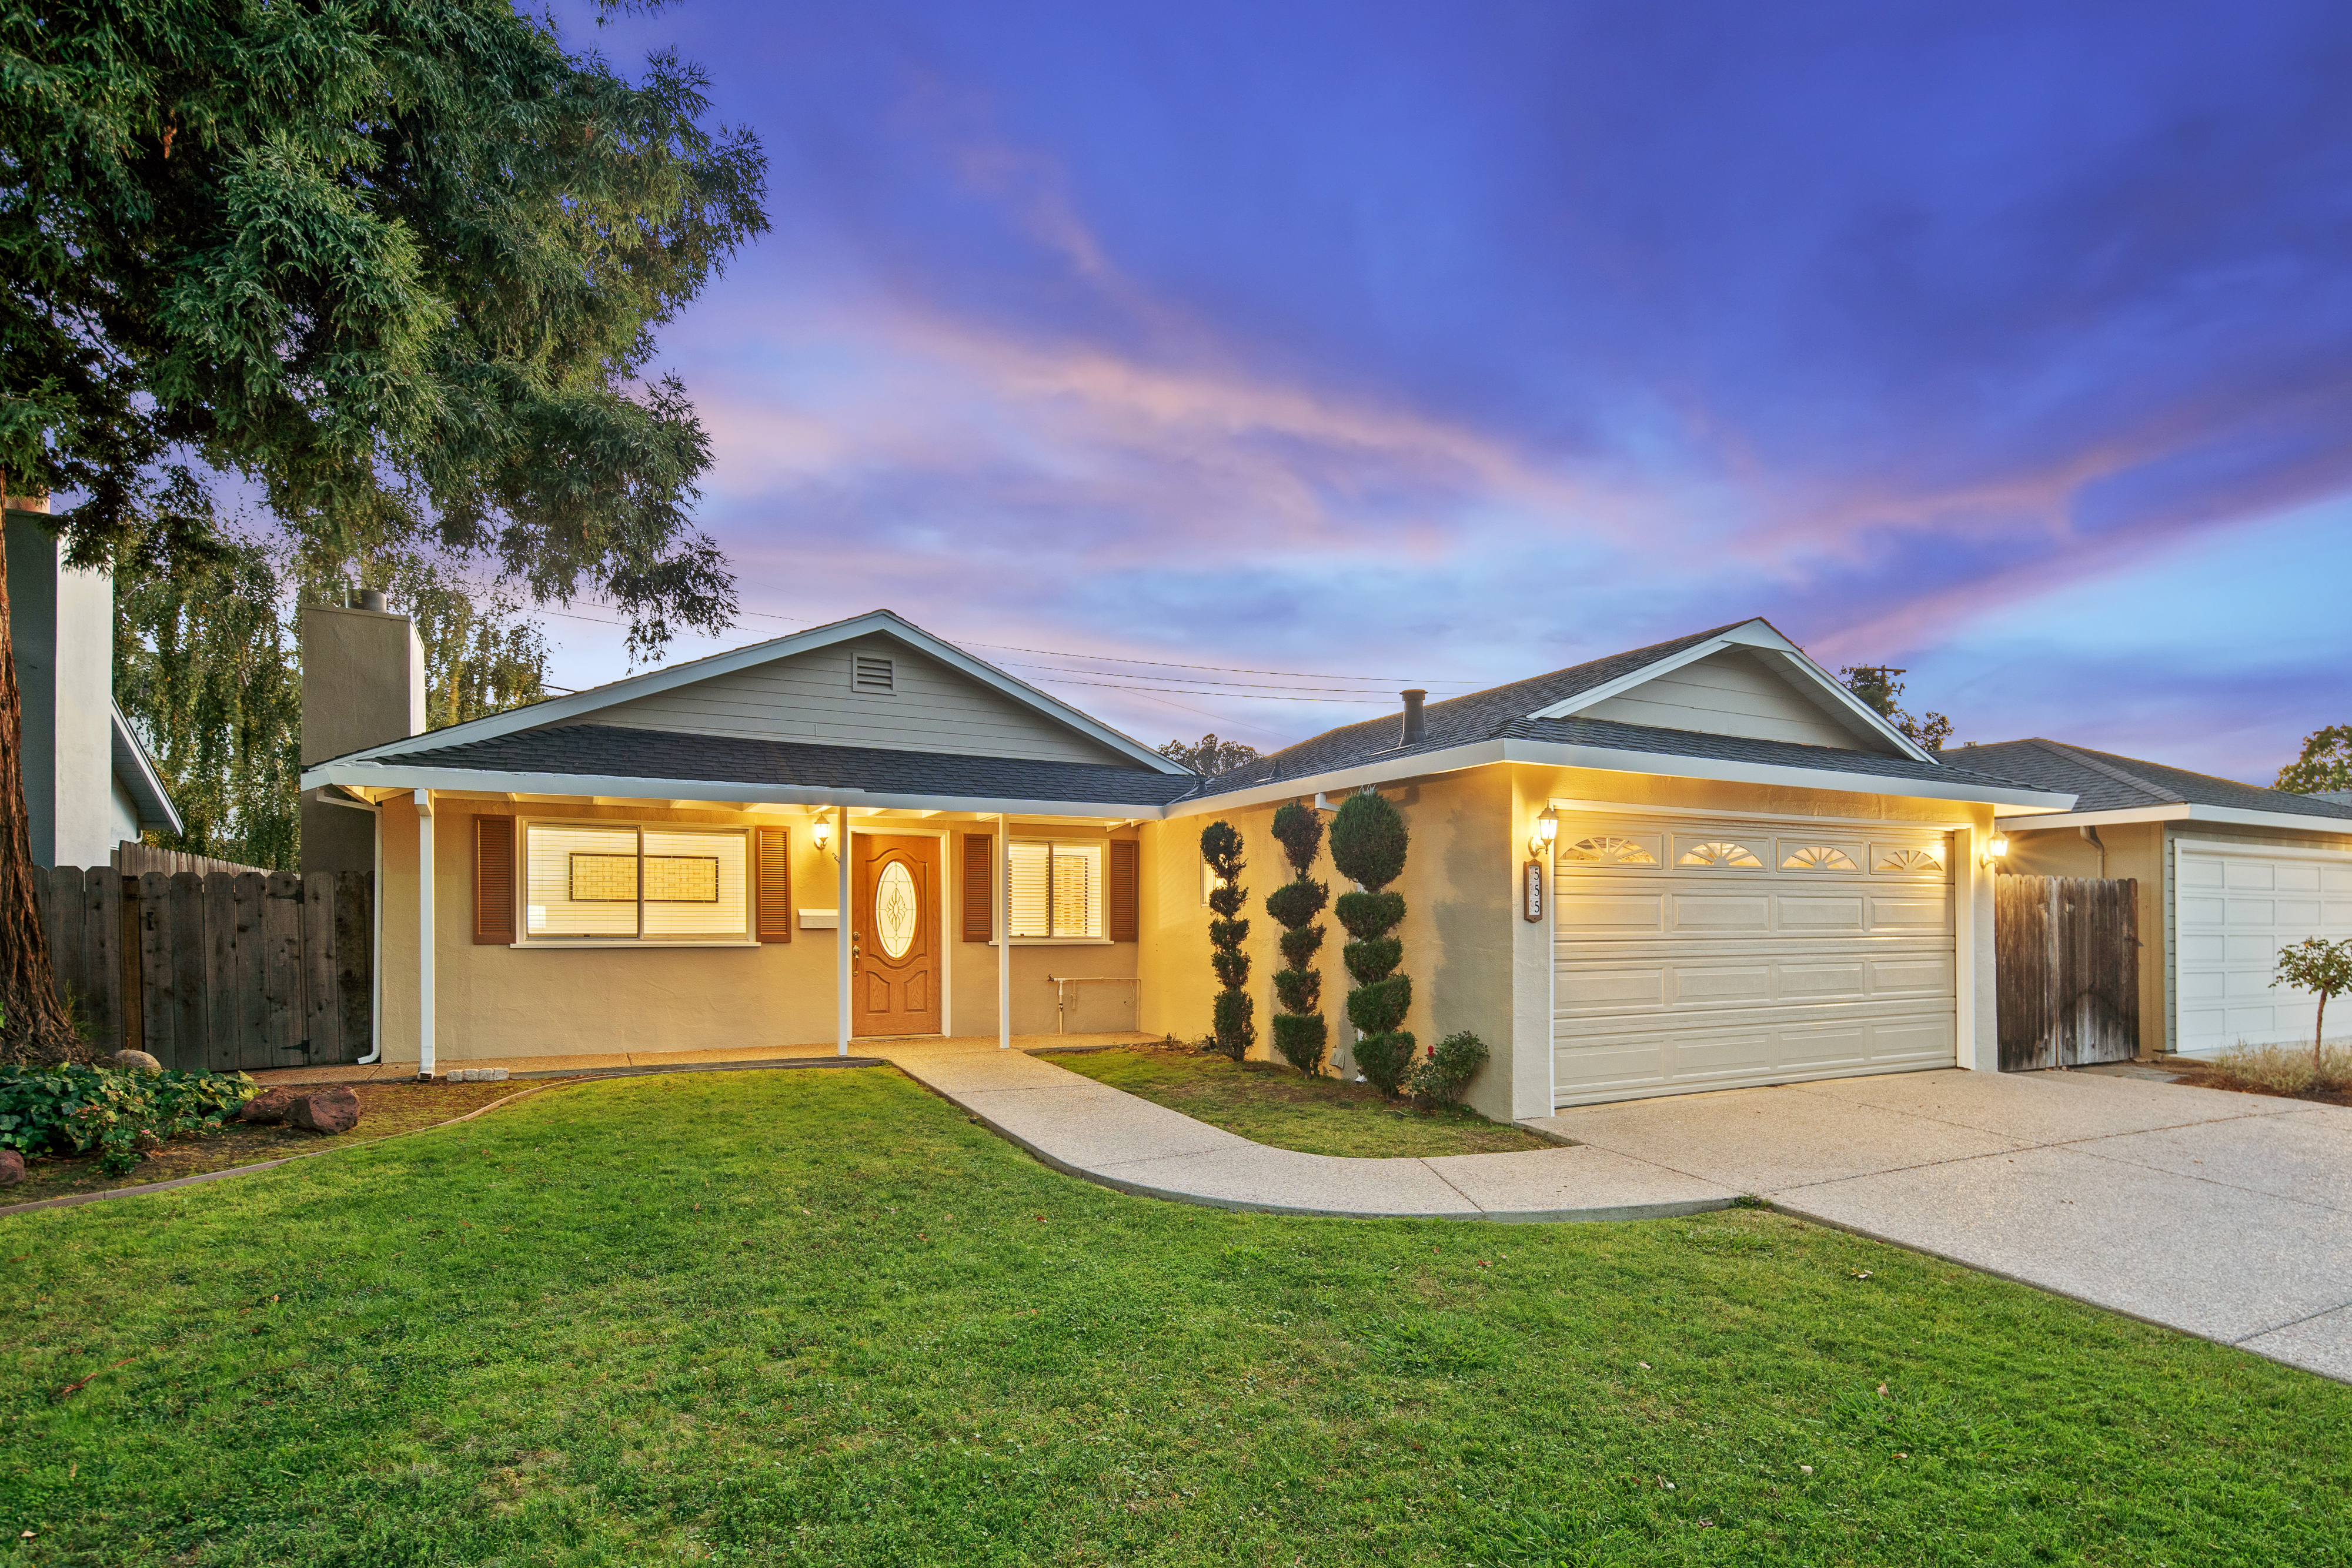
(821, 833)
(1996, 849)
(1539, 843)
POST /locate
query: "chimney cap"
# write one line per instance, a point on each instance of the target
(1415, 728)
(370, 599)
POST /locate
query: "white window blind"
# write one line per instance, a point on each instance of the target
(631, 883)
(1056, 888)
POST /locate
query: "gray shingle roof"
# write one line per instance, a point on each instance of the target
(1456, 721)
(613, 751)
(1772, 753)
(2102, 782)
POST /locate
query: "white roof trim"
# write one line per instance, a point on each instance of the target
(1613, 760)
(581, 706)
(155, 807)
(729, 793)
(2182, 811)
(1758, 636)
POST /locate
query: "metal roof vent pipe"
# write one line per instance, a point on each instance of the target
(1415, 730)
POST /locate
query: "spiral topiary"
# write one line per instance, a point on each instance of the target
(1299, 1033)
(1220, 846)
(1368, 846)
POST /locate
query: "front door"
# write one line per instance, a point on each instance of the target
(894, 963)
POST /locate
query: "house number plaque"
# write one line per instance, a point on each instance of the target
(1532, 903)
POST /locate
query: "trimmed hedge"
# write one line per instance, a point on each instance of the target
(1368, 845)
(1300, 1031)
(1220, 846)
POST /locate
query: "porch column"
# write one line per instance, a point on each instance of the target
(423, 934)
(844, 928)
(1003, 932)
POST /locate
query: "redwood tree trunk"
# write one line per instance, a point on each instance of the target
(36, 1029)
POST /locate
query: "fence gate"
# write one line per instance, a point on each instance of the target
(2067, 968)
(223, 970)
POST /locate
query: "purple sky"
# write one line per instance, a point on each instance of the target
(1454, 342)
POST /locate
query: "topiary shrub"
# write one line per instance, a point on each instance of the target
(1368, 845)
(1220, 846)
(1299, 1033)
(1441, 1077)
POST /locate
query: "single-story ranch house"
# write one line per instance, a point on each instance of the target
(1695, 865)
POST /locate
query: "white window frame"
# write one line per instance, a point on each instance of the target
(640, 941)
(1097, 892)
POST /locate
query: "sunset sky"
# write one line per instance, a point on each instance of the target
(1349, 346)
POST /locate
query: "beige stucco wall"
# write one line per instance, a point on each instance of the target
(499, 1001)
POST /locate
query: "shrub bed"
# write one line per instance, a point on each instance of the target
(124, 1115)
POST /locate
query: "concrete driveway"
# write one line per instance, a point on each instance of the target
(2228, 1216)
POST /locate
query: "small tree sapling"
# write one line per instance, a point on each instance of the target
(2324, 969)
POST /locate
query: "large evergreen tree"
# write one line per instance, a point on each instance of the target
(395, 265)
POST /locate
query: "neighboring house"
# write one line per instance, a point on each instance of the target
(2228, 872)
(88, 784)
(1757, 879)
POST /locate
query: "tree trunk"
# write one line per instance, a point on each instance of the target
(35, 1028)
(2318, 1039)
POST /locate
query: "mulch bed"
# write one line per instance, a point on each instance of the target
(385, 1109)
(2202, 1075)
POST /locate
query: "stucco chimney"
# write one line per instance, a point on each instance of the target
(1415, 730)
(363, 685)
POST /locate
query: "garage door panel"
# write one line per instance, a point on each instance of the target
(1595, 913)
(2225, 943)
(1833, 953)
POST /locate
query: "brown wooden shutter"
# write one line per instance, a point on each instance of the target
(494, 881)
(775, 920)
(979, 887)
(1118, 888)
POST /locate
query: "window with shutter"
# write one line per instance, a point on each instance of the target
(774, 893)
(494, 881)
(979, 887)
(1119, 888)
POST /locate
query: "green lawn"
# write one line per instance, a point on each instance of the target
(1271, 1102)
(822, 1318)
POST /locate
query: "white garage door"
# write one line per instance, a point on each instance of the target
(1709, 954)
(2234, 906)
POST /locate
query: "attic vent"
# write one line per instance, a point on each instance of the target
(873, 673)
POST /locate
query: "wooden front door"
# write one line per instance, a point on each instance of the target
(894, 963)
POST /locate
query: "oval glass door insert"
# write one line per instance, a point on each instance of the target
(894, 910)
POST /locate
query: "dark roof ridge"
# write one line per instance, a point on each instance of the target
(2092, 760)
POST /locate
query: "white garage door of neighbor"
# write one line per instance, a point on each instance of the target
(2234, 906)
(1715, 953)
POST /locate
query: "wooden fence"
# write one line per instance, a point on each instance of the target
(131, 859)
(2067, 968)
(229, 971)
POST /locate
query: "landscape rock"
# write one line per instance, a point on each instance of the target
(335, 1110)
(134, 1062)
(268, 1108)
(12, 1168)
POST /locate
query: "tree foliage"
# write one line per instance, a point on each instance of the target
(1368, 842)
(1880, 687)
(2325, 763)
(1300, 1033)
(2324, 969)
(207, 669)
(394, 266)
(1220, 846)
(1210, 756)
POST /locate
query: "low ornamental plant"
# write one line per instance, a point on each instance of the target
(1220, 846)
(125, 1115)
(1442, 1076)
(1368, 846)
(1300, 1034)
(2324, 969)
